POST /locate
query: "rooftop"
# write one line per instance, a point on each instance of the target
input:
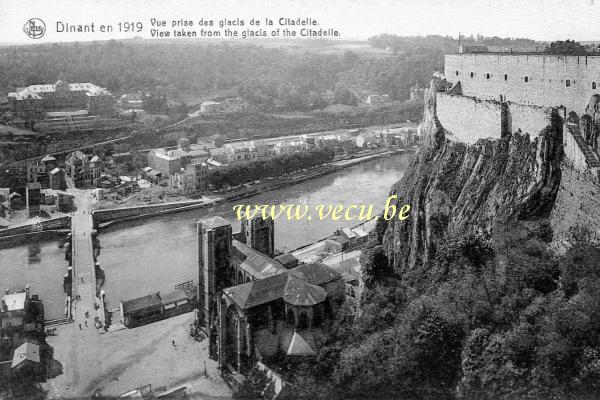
(286, 258)
(37, 91)
(15, 301)
(298, 286)
(150, 300)
(214, 222)
(255, 262)
(303, 343)
(26, 352)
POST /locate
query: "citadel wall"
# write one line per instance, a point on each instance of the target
(576, 204)
(468, 119)
(530, 79)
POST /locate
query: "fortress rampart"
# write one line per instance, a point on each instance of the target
(468, 119)
(532, 79)
(493, 94)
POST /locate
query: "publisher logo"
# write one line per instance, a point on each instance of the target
(35, 28)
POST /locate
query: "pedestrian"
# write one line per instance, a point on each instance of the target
(82, 279)
(174, 344)
(86, 323)
(87, 314)
(80, 328)
(116, 378)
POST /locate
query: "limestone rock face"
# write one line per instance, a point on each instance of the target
(455, 188)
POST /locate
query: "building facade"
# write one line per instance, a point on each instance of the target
(545, 80)
(32, 102)
(85, 169)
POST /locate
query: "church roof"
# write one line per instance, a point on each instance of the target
(300, 293)
(214, 222)
(315, 273)
(253, 261)
(302, 344)
(298, 287)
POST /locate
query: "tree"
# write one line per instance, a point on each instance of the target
(257, 385)
(570, 47)
(375, 265)
(343, 95)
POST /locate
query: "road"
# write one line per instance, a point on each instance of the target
(123, 360)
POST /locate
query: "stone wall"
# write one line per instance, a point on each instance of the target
(573, 151)
(530, 119)
(142, 211)
(577, 203)
(532, 79)
(467, 119)
(43, 225)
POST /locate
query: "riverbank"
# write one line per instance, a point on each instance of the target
(109, 217)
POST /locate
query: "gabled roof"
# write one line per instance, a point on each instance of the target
(259, 292)
(315, 273)
(254, 262)
(26, 352)
(300, 293)
(286, 258)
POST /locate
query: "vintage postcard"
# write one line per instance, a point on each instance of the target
(300, 200)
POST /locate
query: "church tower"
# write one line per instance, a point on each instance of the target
(214, 252)
(259, 234)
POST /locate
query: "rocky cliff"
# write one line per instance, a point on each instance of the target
(455, 188)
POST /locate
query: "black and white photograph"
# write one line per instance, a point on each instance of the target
(300, 200)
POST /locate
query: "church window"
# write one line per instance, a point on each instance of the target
(505, 77)
(487, 76)
(456, 73)
(526, 79)
(568, 83)
(594, 85)
(471, 74)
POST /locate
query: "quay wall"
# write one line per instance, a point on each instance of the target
(125, 213)
(114, 215)
(44, 225)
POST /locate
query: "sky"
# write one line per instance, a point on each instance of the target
(545, 20)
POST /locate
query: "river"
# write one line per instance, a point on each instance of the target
(140, 257)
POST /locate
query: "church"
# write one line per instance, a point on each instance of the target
(254, 306)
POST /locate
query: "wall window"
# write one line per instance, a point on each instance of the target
(505, 77)
(487, 76)
(568, 83)
(471, 74)
(456, 73)
(526, 79)
(594, 85)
